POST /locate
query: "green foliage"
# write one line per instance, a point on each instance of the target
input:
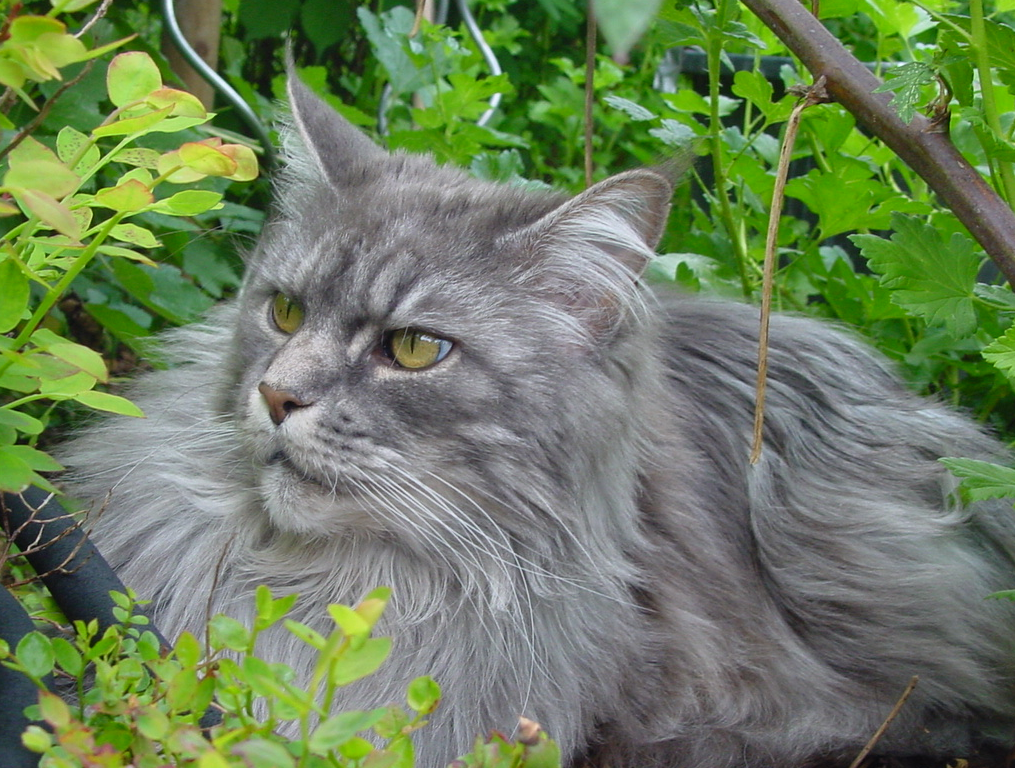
(85, 199)
(145, 705)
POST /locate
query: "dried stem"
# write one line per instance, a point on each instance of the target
(814, 95)
(927, 151)
(884, 725)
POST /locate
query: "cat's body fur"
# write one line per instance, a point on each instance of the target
(563, 507)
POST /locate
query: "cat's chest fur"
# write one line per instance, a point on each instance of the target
(461, 392)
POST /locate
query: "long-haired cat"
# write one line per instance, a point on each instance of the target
(460, 390)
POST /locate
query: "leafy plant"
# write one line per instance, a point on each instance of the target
(64, 220)
(145, 705)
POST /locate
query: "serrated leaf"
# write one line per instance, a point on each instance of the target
(927, 276)
(1001, 352)
(907, 82)
(104, 401)
(983, 479)
(633, 110)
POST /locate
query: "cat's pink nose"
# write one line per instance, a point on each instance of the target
(280, 404)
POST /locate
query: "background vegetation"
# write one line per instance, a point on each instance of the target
(125, 210)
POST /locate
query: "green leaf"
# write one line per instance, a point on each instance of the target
(350, 622)
(53, 709)
(104, 401)
(140, 125)
(70, 144)
(129, 197)
(50, 211)
(622, 22)
(634, 111)
(68, 657)
(189, 202)
(338, 729)
(35, 653)
(78, 355)
(908, 82)
(15, 474)
(131, 77)
(228, 633)
(983, 479)
(261, 753)
(14, 296)
(36, 460)
(1001, 352)
(136, 235)
(140, 157)
(928, 276)
(22, 422)
(423, 695)
(307, 634)
(357, 664)
(36, 739)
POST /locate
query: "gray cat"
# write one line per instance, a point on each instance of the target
(459, 390)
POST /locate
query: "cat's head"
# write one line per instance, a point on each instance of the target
(416, 344)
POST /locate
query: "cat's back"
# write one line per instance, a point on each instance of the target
(865, 569)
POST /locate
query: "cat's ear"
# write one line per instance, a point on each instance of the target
(324, 143)
(590, 252)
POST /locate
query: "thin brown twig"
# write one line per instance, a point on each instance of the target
(923, 148)
(99, 13)
(44, 110)
(884, 725)
(814, 95)
(590, 90)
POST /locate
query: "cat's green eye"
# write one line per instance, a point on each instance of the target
(286, 313)
(415, 349)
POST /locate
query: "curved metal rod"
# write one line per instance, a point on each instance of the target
(491, 60)
(217, 82)
(440, 17)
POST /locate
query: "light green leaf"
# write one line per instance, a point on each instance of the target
(131, 77)
(140, 125)
(37, 460)
(71, 143)
(14, 292)
(338, 729)
(261, 753)
(104, 401)
(189, 202)
(22, 422)
(982, 479)
(1001, 352)
(928, 276)
(356, 664)
(80, 356)
(67, 386)
(15, 474)
(35, 653)
(129, 197)
(423, 695)
(633, 110)
(50, 211)
(136, 235)
(622, 22)
(142, 157)
(908, 82)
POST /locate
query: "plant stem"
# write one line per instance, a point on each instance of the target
(714, 61)
(930, 153)
(981, 55)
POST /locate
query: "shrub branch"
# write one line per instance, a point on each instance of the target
(920, 144)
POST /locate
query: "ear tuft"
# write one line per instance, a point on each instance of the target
(320, 142)
(587, 254)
